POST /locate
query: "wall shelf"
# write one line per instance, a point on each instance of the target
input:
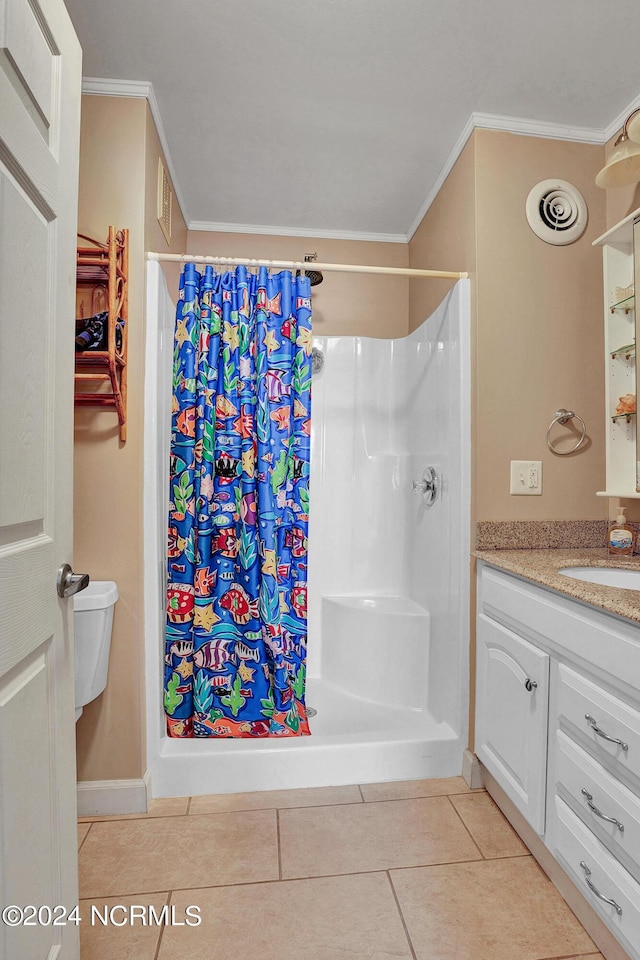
(625, 352)
(620, 351)
(102, 271)
(623, 416)
(624, 306)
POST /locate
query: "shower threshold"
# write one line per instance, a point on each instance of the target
(352, 741)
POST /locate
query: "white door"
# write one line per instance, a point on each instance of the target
(512, 700)
(40, 79)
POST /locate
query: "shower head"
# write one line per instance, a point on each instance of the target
(315, 277)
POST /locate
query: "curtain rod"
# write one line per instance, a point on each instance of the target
(310, 265)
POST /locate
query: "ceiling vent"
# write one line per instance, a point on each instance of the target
(556, 212)
(165, 198)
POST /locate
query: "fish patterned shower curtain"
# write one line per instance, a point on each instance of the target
(236, 633)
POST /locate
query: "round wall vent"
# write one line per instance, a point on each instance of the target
(556, 212)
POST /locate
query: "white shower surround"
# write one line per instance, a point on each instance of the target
(388, 576)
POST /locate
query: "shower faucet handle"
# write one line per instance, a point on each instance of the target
(427, 486)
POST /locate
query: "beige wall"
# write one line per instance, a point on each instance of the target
(536, 318)
(446, 240)
(343, 304)
(536, 324)
(540, 340)
(446, 237)
(154, 238)
(118, 170)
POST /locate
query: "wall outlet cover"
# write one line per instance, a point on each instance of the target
(526, 478)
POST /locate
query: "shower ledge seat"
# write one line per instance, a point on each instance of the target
(376, 647)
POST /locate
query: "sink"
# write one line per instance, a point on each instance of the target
(606, 576)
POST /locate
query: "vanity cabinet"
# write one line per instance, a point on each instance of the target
(512, 709)
(567, 751)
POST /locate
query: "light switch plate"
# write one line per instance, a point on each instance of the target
(526, 478)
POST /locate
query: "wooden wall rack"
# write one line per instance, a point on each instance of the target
(101, 289)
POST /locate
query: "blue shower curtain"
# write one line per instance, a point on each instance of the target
(236, 633)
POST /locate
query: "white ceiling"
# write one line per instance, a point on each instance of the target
(333, 116)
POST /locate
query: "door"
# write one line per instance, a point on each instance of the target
(40, 79)
(512, 700)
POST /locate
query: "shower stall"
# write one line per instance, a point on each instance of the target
(387, 667)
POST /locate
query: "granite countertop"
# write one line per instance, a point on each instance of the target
(541, 566)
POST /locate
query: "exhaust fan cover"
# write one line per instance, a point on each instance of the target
(556, 212)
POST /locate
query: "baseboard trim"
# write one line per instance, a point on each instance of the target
(472, 770)
(595, 927)
(103, 798)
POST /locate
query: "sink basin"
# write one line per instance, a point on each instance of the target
(606, 576)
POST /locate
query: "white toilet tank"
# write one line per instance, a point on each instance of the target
(93, 620)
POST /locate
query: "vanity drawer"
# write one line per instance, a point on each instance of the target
(599, 719)
(544, 617)
(584, 784)
(584, 858)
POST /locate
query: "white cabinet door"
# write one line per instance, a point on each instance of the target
(40, 78)
(512, 695)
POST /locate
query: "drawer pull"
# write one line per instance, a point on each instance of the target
(599, 813)
(594, 889)
(530, 685)
(605, 736)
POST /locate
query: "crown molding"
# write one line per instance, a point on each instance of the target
(100, 86)
(517, 125)
(537, 128)
(141, 89)
(106, 87)
(458, 147)
(616, 125)
(213, 227)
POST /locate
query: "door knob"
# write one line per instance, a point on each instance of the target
(69, 582)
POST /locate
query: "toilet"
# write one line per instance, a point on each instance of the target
(93, 620)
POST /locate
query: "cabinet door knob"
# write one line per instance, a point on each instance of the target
(530, 685)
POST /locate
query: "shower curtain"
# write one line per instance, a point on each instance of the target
(236, 631)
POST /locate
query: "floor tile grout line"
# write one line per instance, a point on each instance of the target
(132, 817)
(320, 876)
(343, 803)
(304, 806)
(84, 839)
(574, 956)
(427, 796)
(473, 839)
(452, 863)
(163, 927)
(242, 883)
(402, 919)
(278, 844)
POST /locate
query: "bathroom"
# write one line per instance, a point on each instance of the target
(503, 426)
(535, 346)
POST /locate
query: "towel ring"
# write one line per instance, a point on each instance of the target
(563, 416)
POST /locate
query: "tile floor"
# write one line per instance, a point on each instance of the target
(419, 870)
